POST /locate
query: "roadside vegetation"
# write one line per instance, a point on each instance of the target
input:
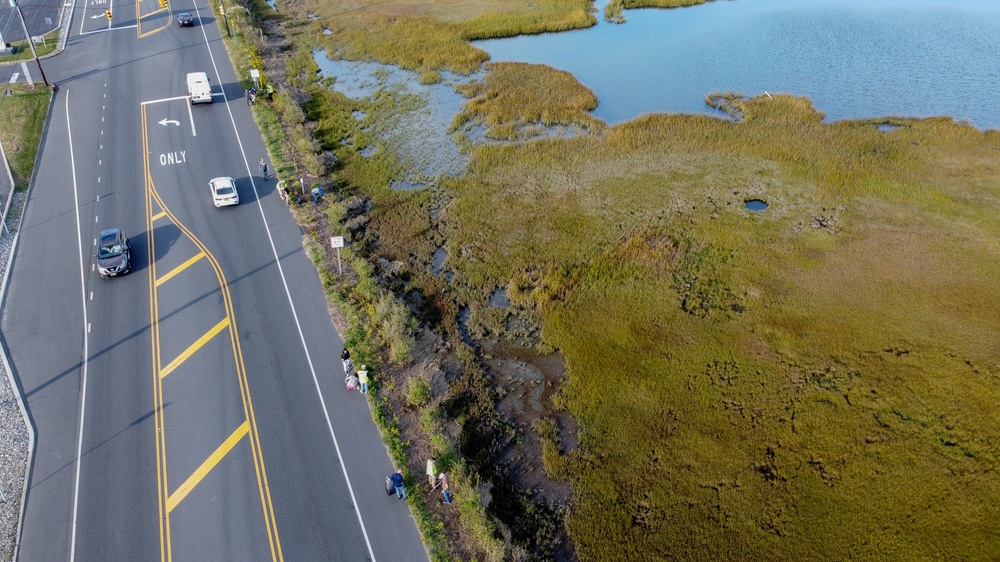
(22, 120)
(815, 380)
(20, 50)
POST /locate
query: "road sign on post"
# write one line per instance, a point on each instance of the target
(338, 243)
(255, 74)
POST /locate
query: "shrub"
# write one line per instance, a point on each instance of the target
(396, 326)
(419, 393)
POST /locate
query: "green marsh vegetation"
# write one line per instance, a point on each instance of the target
(614, 11)
(515, 98)
(816, 380)
(422, 35)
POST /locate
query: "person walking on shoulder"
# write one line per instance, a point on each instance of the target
(431, 472)
(345, 357)
(363, 379)
(445, 488)
(397, 481)
(263, 167)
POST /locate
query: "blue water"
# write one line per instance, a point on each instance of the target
(853, 58)
(755, 205)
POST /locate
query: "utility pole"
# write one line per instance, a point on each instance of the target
(225, 18)
(20, 16)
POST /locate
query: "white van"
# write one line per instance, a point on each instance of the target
(199, 90)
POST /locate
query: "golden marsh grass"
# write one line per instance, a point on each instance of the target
(514, 96)
(818, 380)
(838, 352)
(428, 35)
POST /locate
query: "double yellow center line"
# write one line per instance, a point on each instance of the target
(156, 210)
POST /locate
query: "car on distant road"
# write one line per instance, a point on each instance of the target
(224, 191)
(184, 19)
(114, 253)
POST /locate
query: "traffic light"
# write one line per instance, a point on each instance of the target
(108, 14)
(164, 3)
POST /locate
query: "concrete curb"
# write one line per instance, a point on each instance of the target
(4, 355)
(27, 424)
(10, 196)
(63, 36)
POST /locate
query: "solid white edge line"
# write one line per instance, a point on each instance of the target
(291, 303)
(83, 382)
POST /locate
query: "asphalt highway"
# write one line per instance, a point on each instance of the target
(193, 409)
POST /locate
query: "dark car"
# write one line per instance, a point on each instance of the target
(113, 253)
(185, 20)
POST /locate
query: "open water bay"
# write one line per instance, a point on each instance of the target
(853, 58)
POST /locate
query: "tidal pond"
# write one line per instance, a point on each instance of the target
(420, 131)
(852, 58)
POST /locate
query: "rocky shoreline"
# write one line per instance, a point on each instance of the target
(14, 436)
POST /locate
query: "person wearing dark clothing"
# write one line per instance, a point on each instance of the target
(345, 357)
(397, 481)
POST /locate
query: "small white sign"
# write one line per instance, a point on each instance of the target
(38, 39)
(337, 241)
(254, 73)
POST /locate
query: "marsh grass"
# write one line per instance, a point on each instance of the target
(798, 374)
(786, 367)
(435, 35)
(22, 119)
(514, 96)
(818, 380)
(614, 11)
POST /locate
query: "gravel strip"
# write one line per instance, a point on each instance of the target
(13, 431)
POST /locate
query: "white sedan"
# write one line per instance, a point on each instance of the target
(224, 192)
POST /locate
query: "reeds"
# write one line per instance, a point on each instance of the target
(817, 378)
(514, 97)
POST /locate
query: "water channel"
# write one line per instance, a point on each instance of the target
(853, 58)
